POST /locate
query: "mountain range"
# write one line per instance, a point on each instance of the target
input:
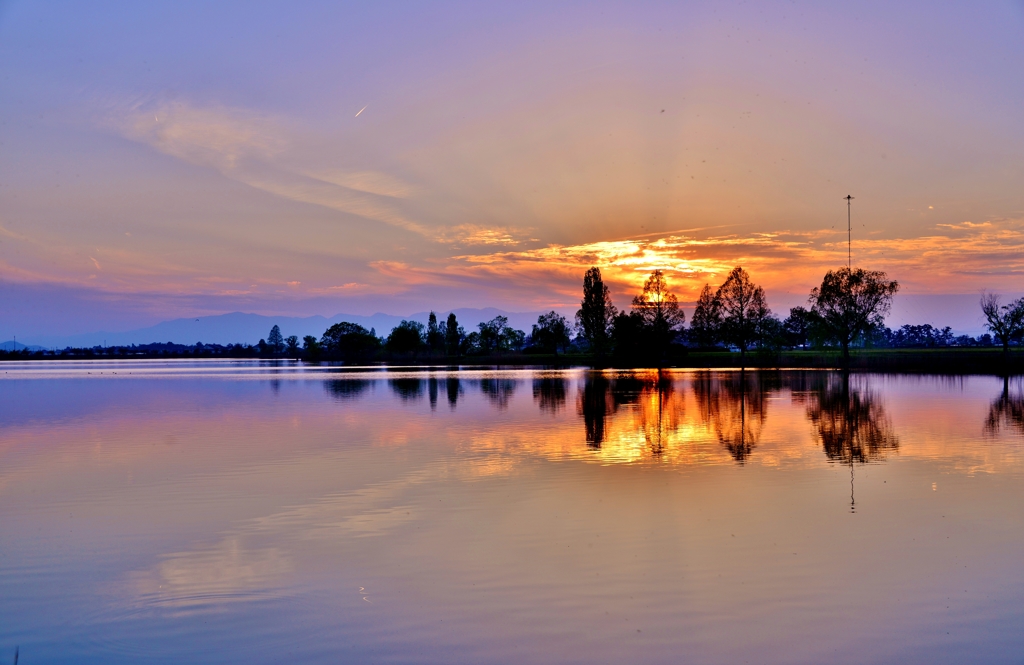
(243, 328)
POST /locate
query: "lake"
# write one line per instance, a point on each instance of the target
(210, 512)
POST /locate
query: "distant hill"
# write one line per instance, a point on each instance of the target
(239, 327)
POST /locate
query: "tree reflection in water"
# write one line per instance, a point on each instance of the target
(454, 389)
(649, 401)
(407, 389)
(498, 391)
(1007, 409)
(850, 422)
(549, 392)
(594, 403)
(346, 389)
(734, 407)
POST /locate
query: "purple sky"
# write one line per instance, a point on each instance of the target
(184, 159)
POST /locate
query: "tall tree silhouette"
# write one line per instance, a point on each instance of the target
(658, 308)
(743, 310)
(851, 302)
(453, 335)
(435, 338)
(707, 319)
(594, 317)
(275, 342)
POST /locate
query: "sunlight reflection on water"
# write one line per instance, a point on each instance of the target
(242, 511)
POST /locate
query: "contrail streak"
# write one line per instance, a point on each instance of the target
(361, 110)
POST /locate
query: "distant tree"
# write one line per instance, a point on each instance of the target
(850, 302)
(435, 334)
(491, 333)
(292, 342)
(630, 338)
(275, 343)
(453, 335)
(658, 308)
(744, 311)
(349, 341)
(707, 319)
(262, 345)
(551, 332)
(1006, 322)
(797, 326)
(311, 347)
(596, 312)
(512, 339)
(406, 337)
(470, 344)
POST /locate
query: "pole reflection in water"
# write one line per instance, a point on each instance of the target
(850, 422)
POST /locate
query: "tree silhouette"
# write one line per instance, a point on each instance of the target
(849, 303)
(406, 338)
(707, 319)
(551, 332)
(658, 310)
(743, 309)
(435, 336)
(349, 341)
(797, 326)
(311, 347)
(292, 342)
(275, 343)
(1005, 322)
(596, 312)
(491, 334)
(453, 335)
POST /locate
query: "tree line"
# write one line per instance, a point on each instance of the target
(845, 311)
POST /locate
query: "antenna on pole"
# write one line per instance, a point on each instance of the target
(849, 233)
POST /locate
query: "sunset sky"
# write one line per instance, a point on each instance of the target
(187, 159)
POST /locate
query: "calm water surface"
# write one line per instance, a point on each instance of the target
(243, 512)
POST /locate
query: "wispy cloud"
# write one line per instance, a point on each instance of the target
(254, 149)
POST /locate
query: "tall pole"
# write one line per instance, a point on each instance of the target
(849, 233)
